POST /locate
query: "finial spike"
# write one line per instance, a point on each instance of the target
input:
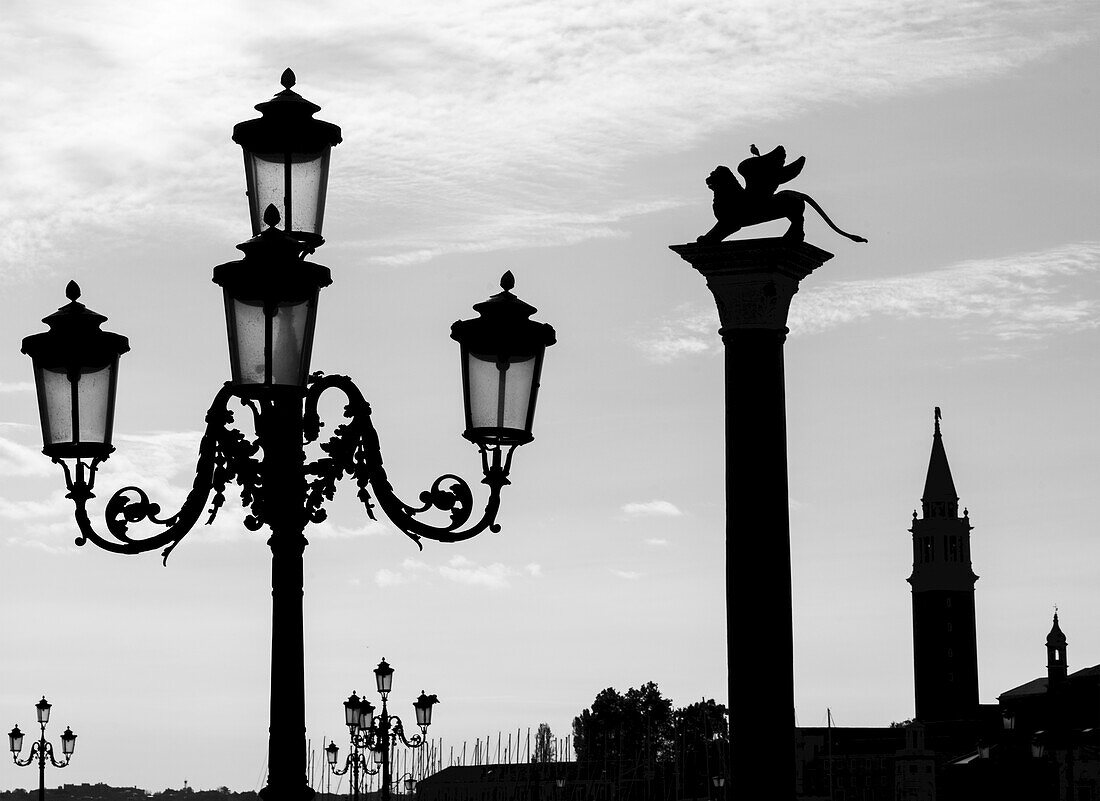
(937, 415)
(271, 215)
(72, 290)
(507, 281)
(288, 80)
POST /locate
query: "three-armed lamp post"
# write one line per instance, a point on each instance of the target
(379, 733)
(41, 749)
(271, 308)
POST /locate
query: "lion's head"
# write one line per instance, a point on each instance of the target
(721, 180)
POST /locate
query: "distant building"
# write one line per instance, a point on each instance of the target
(1040, 741)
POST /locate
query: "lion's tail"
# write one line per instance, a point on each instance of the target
(830, 223)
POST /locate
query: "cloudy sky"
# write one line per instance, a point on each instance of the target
(567, 141)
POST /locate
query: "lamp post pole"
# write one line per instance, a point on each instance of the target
(270, 300)
(753, 282)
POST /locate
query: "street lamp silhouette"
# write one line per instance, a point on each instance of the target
(270, 308)
(356, 761)
(41, 749)
(379, 733)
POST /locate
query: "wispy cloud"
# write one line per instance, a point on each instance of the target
(458, 569)
(628, 575)
(655, 508)
(500, 123)
(1019, 297)
(657, 542)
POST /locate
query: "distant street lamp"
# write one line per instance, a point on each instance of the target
(407, 781)
(356, 760)
(379, 733)
(270, 309)
(41, 749)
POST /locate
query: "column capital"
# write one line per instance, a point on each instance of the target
(753, 280)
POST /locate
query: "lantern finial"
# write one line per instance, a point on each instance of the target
(271, 215)
(507, 281)
(288, 80)
(72, 291)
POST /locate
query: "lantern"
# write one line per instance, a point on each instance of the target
(351, 711)
(410, 784)
(75, 375)
(68, 742)
(43, 709)
(286, 158)
(332, 751)
(366, 715)
(502, 353)
(15, 740)
(423, 706)
(383, 675)
(270, 309)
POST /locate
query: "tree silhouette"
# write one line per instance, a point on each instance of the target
(702, 732)
(544, 745)
(635, 727)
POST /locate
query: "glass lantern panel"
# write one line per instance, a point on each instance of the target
(247, 342)
(68, 744)
(484, 391)
(55, 397)
(517, 393)
(308, 179)
(266, 183)
(93, 392)
(500, 398)
(288, 339)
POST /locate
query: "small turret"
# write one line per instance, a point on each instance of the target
(1056, 655)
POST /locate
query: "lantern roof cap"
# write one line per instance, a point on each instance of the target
(504, 325)
(273, 266)
(426, 700)
(75, 334)
(287, 124)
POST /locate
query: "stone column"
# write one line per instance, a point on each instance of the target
(753, 282)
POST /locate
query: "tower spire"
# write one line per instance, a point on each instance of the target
(940, 498)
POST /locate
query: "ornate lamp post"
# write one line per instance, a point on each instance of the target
(379, 733)
(41, 749)
(270, 306)
(356, 761)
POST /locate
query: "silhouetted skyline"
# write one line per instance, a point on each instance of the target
(569, 145)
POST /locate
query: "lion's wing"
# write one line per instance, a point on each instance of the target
(790, 171)
(763, 174)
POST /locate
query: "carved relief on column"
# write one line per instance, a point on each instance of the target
(753, 280)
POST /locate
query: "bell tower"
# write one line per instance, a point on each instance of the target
(1056, 655)
(945, 649)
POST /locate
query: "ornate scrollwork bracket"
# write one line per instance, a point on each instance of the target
(353, 450)
(41, 750)
(227, 456)
(397, 730)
